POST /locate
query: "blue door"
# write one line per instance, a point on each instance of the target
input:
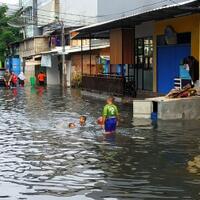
(168, 61)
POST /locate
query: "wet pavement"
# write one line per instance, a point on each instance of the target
(41, 159)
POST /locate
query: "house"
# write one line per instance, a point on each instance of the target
(43, 17)
(147, 45)
(29, 51)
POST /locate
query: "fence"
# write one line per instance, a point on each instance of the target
(112, 84)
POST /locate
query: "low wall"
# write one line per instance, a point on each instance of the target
(168, 109)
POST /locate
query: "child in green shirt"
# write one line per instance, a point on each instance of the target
(110, 116)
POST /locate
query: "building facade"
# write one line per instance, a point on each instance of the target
(29, 13)
(150, 46)
(78, 13)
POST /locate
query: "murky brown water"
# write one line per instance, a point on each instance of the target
(41, 159)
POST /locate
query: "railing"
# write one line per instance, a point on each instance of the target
(110, 83)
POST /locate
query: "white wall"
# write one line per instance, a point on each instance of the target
(78, 12)
(53, 77)
(69, 69)
(120, 8)
(85, 12)
(46, 12)
(26, 3)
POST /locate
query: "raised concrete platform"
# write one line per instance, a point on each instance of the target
(168, 109)
(104, 96)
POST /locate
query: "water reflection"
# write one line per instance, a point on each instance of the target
(40, 158)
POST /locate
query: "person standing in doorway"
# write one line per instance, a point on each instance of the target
(41, 78)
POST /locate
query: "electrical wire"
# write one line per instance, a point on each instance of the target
(48, 18)
(103, 16)
(42, 16)
(89, 22)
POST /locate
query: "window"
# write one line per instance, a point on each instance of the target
(144, 53)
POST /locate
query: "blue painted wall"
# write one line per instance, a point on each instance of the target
(168, 61)
(16, 66)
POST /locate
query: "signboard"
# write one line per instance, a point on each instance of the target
(46, 61)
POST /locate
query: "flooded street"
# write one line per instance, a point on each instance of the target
(41, 159)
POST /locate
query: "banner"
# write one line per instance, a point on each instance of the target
(46, 61)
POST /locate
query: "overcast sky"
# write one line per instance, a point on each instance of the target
(9, 1)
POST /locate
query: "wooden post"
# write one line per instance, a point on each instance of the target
(90, 55)
(82, 56)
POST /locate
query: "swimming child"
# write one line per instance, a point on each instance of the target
(82, 122)
(110, 116)
(72, 125)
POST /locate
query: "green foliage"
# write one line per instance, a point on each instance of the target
(8, 34)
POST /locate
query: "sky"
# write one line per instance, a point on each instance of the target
(9, 1)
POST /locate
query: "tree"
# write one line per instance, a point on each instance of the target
(8, 34)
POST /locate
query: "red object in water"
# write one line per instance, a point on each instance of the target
(100, 121)
(14, 79)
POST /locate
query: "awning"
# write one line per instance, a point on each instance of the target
(86, 48)
(70, 50)
(37, 56)
(48, 32)
(55, 51)
(32, 63)
(101, 30)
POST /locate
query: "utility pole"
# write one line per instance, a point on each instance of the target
(64, 69)
(35, 17)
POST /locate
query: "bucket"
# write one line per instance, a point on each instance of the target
(32, 80)
(154, 116)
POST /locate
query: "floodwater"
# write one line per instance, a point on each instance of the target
(41, 159)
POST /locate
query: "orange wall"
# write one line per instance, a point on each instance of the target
(76, 60)
(121, 46)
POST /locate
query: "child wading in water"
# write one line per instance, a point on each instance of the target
(110, 117)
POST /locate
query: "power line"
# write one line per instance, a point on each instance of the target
(42, 16)
(64, 13)
(51, 18)
(103, 16)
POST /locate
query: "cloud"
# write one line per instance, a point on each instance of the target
(9, 1)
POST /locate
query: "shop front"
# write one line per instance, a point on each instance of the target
(50, 66)
(176, 39)
(144, 63)
(146, 49)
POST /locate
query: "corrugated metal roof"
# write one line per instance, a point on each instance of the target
(70, 50)
(160, 13)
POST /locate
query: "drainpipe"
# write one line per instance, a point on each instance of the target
(64, 70)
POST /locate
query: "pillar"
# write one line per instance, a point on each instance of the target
(69, 67)
(122, 46)
(199, 47)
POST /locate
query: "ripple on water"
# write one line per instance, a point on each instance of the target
(40, 158)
